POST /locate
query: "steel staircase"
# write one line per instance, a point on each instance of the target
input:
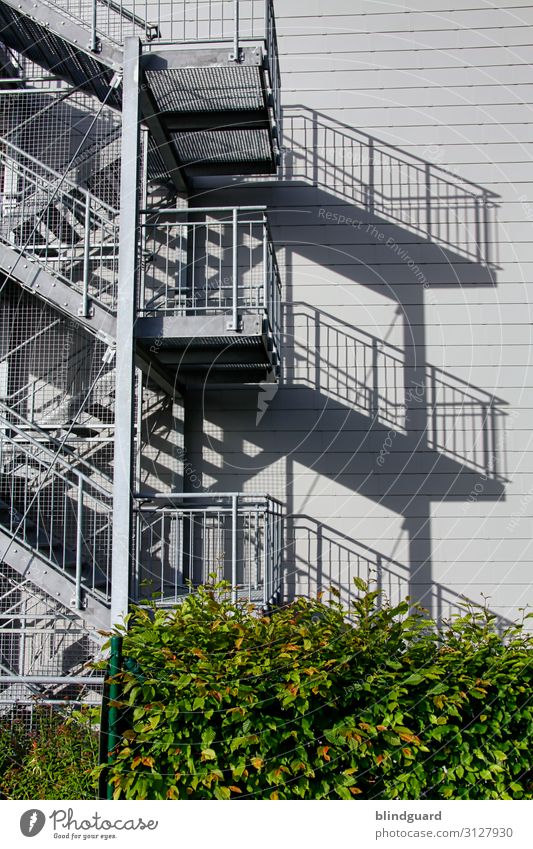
(209, 293)
(210, 87)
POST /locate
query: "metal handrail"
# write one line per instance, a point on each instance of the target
(203, 209)
(249, 496)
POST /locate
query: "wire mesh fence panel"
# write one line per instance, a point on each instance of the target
(42, 639)
(169, 20)
(52, 372)
(55, 509)
(67, 131)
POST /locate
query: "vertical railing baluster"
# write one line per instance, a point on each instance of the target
(94, 40)
(191, 549)
(236, 49)
(234, 518)
(84, 309)
(234, 258)
(79, 545)
(266, 270)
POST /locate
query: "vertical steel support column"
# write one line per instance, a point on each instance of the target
(125, 369)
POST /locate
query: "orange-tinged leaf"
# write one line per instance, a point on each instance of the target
(147, 761)
(379, 759)
(323, 752)
(274, 795)
(235, 789)
(409, 738)
(257, 762)
(355, 791)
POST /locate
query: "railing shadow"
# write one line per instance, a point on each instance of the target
(368, 374)
(325, 559)
(390, 183)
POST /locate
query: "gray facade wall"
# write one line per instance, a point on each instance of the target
(400, 436)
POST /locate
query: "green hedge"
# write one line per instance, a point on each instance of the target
(56, 759)
(306, 703)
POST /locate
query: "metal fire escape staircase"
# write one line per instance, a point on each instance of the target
(210, 81)
(209, 294)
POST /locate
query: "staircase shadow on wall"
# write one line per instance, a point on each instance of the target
(399, 227)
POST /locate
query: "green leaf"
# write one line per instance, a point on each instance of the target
(415, 678)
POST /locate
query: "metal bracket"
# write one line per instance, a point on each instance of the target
(83, 313)
(109, 354)
(231, 325)
(237, 57)
(82, 605)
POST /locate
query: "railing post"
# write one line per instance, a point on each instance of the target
(234, 518)
(79, 545)
(84, 309)
(94, 40)
(236, 55)
(266, 270)
(234, 260)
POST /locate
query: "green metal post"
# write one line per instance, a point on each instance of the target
(113, 718)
